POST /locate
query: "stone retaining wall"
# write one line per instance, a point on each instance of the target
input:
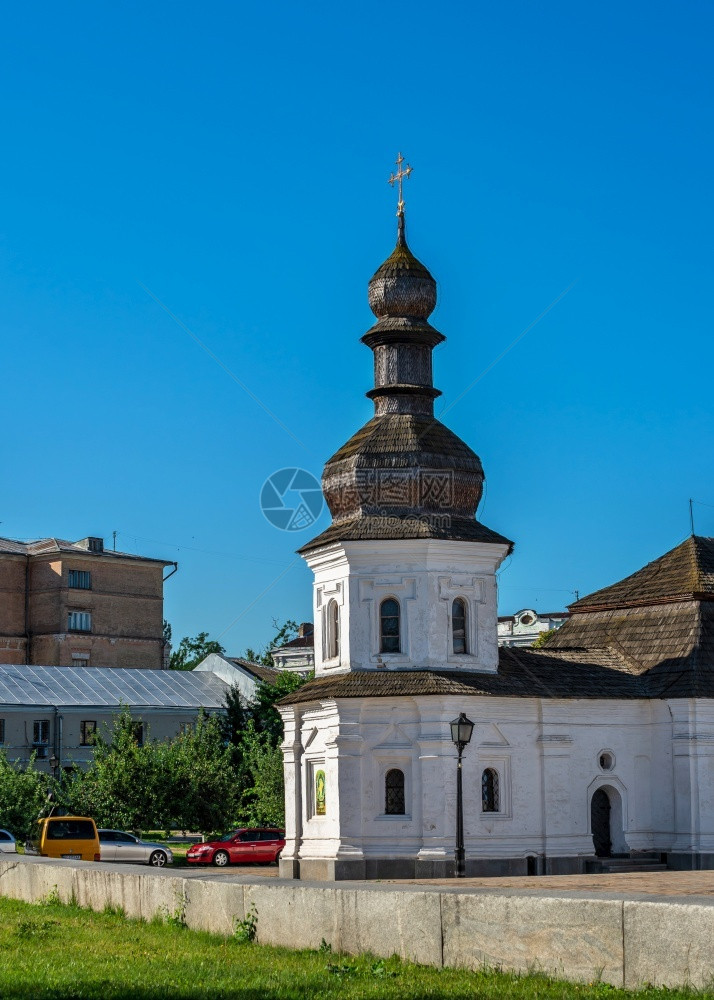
(624, 941)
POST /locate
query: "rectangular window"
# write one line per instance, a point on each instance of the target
(87, 732)
(2, 731)
(79, 621)
(41, 736)
(80, 578)
(80, 659)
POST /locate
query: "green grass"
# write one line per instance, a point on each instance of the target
(54, 952)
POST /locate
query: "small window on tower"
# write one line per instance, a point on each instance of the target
(333, 630)
(458, 625)
(389, 626)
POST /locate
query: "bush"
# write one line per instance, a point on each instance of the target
(23, 793)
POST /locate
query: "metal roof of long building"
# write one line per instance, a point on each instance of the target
(108, 687)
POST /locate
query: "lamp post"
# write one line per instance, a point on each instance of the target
(461, 730)
(53, 762)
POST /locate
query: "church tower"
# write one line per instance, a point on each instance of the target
(405, 574)
(404, 605)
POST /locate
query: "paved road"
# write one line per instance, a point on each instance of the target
(651, 883)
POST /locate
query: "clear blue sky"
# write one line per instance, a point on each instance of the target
(233, 158)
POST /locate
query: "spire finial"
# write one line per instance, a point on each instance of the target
(399, 177)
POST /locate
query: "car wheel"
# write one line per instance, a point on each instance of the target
(158, 859)
(220, 859)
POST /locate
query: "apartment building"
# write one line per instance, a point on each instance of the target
(78, 604)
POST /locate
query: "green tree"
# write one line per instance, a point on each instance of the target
(542, 639)
(203, 780)
(191, 651)
(265, 716)
(263, 802)
(23, 793)
(127, 785)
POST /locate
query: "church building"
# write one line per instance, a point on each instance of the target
(599, 744)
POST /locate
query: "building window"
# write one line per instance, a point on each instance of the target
(489, 791)
(79, 621)
(138, 729)
(333, 630)
(80, 659)
(41, 736)
(2, 731)
(394, 804)
(458, 626)
(87, 732)
(80, 578)
(389, 626)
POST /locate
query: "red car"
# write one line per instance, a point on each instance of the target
(238, 848)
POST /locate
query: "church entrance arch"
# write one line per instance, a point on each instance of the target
(606, 822)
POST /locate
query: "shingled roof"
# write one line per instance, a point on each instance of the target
(660, 620)
(522, 673)
(686, 571)
(359, 529)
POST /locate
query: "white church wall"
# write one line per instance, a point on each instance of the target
(693, 769)
(546, 753)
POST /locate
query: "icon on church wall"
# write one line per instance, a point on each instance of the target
(320, 807)
(291, 499)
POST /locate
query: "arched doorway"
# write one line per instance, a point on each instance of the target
(600, 823)
(607, 822)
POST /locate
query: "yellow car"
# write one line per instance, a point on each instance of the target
(72, 837)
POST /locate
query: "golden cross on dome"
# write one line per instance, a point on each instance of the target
(399, 177)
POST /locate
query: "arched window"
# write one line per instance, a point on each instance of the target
(489, 791)
(458, 626)
(333, 630)
(389, 626)
(394, 792)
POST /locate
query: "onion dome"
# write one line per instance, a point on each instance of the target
(404, 474)
(402, 286)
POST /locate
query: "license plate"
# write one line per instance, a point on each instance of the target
(72, 857)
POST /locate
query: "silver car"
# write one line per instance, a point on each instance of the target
(116, 845)
(7, 843)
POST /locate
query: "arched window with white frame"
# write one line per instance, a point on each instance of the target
(459, 641)
(389, 626)
(490, 795)
(394, 800)
(332, 630)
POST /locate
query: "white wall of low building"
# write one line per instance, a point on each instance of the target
(545, 752)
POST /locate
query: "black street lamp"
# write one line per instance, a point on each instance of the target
(53, 762)
(461, 730)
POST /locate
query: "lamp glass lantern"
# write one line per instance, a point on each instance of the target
(461, 730)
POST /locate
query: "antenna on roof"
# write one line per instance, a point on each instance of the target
(114, 536)
(691, 515)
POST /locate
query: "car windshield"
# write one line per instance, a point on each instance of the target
(228, 836)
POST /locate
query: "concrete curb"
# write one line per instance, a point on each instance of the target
(623, 941)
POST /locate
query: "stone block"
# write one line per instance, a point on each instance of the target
(668, 943)
(577, 939)
(213, 906)
(35, 879)
(390, 922)
(293, 916)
